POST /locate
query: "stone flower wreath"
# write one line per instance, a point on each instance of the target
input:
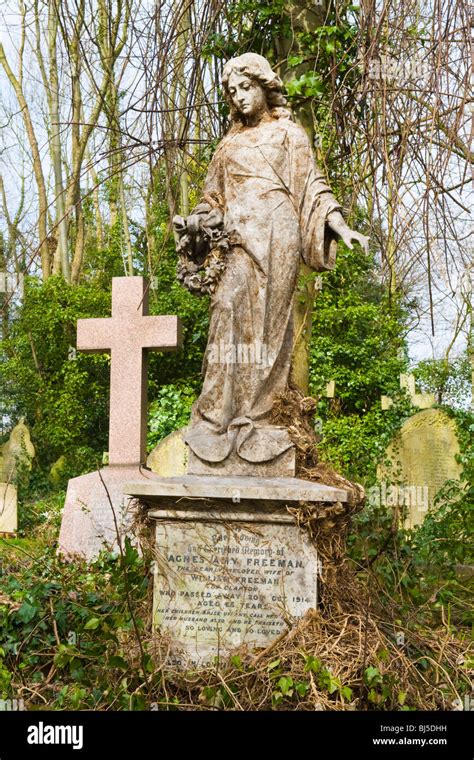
(203, 246)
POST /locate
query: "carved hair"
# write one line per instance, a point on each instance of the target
(256, 67)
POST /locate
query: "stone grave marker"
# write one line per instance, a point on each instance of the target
(170, 456)
(407, 382)
(386, 403)
(8, 509)
(128, 336)
(330, 389)
(18, 450)
(420, 400)
(422, 458)
(232, 567)
(88, 518)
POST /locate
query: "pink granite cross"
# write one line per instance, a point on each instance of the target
(127, 336)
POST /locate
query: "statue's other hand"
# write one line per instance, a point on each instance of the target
(338, 225)
(214, 218)
(348, 235)
(179, 224)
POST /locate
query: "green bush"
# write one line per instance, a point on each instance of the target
(169, 412)
(62, 395)
(63, 628)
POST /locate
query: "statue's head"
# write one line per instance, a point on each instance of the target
(252, 87)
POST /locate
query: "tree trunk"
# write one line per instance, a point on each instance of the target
(303, 19)
(37, 166)
(61, 260)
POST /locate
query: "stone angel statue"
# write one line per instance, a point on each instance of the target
(265, 207)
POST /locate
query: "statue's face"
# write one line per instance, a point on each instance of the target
(247, 95)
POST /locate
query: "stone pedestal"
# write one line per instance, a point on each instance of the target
(227, 579)
(231, 567)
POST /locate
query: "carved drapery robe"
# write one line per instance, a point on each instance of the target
(275, 202)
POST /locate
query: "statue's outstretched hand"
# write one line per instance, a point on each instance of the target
(338, 225)
(350, 235)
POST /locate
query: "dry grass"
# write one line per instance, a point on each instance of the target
(350, 633)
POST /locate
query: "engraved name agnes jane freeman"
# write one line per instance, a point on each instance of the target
(265, 206)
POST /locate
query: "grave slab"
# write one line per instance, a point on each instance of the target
(232, 568)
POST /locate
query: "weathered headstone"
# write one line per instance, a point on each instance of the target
(170, 456)
(8, 509)
(230, 580)
(231, 567)
(57, 469)
(407, 382)
(18, 451)
(422, 457)
(95, 506)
